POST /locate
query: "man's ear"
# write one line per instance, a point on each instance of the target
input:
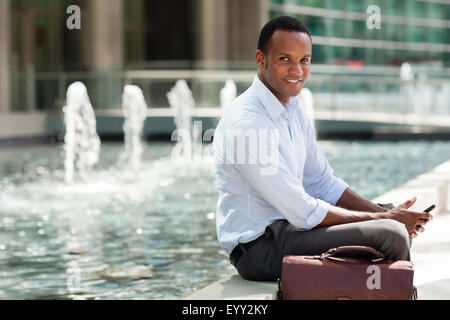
(260, 59)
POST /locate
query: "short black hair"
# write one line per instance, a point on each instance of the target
(280, 23)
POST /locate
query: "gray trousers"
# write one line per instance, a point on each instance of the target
(263, 260)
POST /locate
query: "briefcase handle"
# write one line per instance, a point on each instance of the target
(376, 255)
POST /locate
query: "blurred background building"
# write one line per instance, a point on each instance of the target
(152, 43)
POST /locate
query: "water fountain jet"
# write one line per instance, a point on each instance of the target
(81, 141)
(307, 104)
(182, 103)
(227, 94)
(135, 112)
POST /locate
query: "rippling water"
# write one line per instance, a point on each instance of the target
(149, 234)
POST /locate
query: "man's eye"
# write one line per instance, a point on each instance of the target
(305, 60)
(283, 59)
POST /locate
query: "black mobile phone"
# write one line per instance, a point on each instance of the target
(429, 208)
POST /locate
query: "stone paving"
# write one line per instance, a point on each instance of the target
(430, 253)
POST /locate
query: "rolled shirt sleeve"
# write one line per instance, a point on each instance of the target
(335, 191)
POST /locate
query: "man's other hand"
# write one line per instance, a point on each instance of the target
(414, 221)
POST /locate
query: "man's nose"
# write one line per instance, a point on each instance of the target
(296, 68)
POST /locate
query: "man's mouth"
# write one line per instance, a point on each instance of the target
(294, 81)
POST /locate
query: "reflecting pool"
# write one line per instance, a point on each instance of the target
(147, 234)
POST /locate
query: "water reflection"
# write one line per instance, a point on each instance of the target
(149, 235)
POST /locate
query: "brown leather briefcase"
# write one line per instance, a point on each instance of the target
(346, 273)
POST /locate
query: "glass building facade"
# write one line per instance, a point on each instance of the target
(410, 30)
(152, 43)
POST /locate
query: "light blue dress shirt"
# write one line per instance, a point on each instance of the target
(268, 167)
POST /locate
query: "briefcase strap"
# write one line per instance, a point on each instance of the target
(279, 292)
(414, 294)
(377, 256)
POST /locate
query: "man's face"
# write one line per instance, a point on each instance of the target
(285, 67)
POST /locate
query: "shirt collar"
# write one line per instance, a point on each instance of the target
(269, 101)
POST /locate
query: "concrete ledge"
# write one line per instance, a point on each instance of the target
(430, 188)
(234, 287)
(329, 124)
(23, 124)
(23, 141)
(160, 122)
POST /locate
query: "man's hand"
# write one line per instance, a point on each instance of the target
(414, 221)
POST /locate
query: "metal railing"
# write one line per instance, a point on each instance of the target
(334, 88)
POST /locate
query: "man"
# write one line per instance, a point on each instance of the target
(277, 192)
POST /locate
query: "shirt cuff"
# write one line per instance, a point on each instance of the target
(317, 216)
(336, 191)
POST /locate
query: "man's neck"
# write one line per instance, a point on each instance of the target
(283, 100)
